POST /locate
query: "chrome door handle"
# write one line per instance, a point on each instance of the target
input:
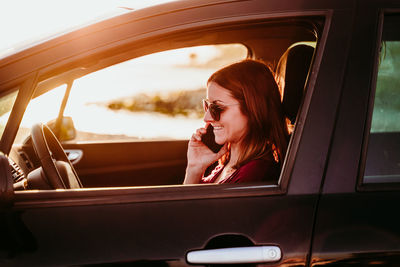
(257, 254)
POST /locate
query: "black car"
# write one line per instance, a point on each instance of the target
(88, 188)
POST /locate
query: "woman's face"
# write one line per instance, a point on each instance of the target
(232, 125)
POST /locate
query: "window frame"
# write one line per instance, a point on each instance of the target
(363, 186)
(92, 196)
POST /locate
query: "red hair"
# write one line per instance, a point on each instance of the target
(252, 84)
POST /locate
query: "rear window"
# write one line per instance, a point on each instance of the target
(383, 158)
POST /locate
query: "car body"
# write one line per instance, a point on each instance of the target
(334, 204)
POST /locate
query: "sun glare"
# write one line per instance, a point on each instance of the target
(25, 21)
(178, 70)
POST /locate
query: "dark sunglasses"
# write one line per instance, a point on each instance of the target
(215, 109)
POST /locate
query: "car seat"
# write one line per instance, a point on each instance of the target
(293, 67)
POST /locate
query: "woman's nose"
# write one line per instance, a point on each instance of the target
(207, 117)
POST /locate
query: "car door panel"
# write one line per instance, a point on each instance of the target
(350, 228)
(134, 163)
(357, 222)
(125, 232)
(114, 164)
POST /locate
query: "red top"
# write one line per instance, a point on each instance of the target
(257, 170)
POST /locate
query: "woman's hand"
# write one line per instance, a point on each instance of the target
(199, 157)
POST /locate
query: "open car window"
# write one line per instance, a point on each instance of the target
(6, 103)
(131, 114)
(40, 110)
(154, 97)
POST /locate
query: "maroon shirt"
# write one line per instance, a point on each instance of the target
(257, 170)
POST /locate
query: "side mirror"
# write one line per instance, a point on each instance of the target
(64, 128)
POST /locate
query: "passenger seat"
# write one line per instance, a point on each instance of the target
(293, 69)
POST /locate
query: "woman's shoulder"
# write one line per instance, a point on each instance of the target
(258, 165)
(257, 170)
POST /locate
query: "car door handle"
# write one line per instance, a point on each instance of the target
(257, 254)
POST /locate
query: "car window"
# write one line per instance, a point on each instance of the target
(153, 97)
(133, 112)
(6, 103)
(42, 109)
(383, 157)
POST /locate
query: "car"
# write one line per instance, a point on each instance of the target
(95, 122)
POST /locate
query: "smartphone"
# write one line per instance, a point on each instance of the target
(209, 140)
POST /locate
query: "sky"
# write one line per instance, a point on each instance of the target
(25, 21)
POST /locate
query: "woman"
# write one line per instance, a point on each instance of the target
(244, 106)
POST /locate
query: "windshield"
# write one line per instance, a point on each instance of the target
(6, 103)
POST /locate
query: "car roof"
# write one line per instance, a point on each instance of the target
(117, 15)
(90, 18)
(34, 40)
(62, 46)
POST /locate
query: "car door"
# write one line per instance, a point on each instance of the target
(358, 221)
(165, 224)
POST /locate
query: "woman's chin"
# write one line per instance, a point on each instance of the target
(219, 141)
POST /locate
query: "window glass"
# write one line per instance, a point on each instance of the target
(153, 97)
(383, 158)
(6, 103)
(42, 109)
(387, 102)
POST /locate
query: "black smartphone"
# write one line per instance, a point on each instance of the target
(209, 140)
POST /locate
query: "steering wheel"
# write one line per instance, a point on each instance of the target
(59, 171)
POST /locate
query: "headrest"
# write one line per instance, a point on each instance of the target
(297, 67)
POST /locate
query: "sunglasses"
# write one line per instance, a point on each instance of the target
(215, 109)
